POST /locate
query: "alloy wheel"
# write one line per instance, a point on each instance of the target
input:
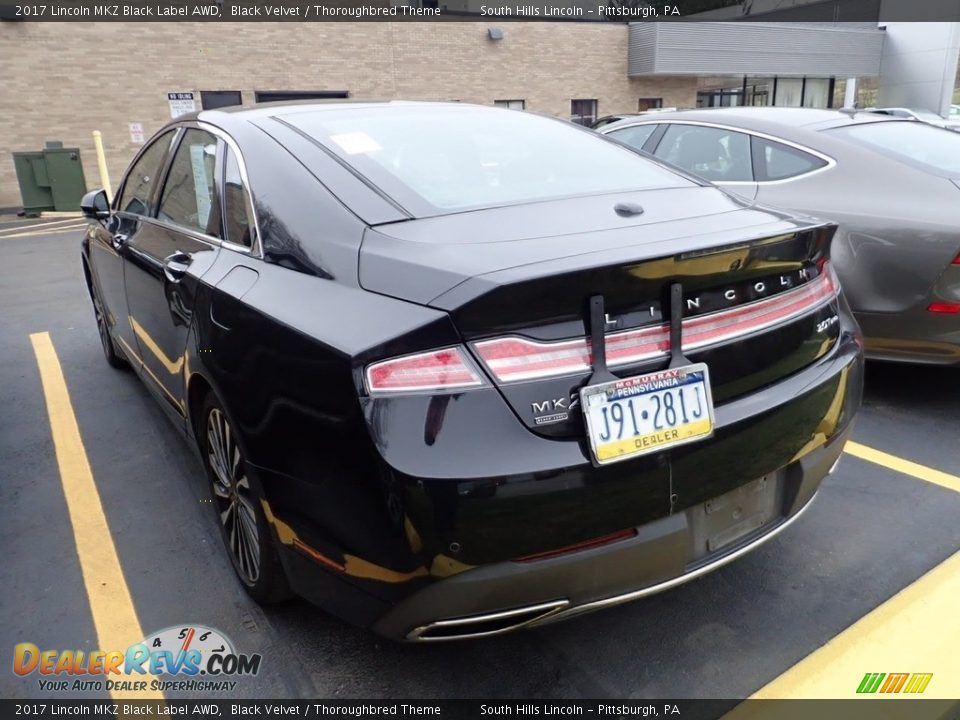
(101, 324)
(235, 501)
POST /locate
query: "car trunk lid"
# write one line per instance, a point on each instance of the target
(517, 285)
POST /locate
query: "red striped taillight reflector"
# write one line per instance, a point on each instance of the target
(436, 370)
(512, 359)
(585, 545)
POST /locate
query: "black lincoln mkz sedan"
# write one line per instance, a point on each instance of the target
(455, 370)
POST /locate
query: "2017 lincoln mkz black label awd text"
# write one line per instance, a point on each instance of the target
(454, 370)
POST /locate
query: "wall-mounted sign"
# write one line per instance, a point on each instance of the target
(136, 133)
(181, 103)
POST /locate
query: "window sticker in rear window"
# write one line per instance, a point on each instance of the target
(355, 143)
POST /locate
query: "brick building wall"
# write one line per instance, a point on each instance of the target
(62, 81)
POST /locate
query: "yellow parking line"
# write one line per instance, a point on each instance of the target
(112, 608)
(937, 477)
(915, 631)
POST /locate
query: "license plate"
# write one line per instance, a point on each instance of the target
(648, 413)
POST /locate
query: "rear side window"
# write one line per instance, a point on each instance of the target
(715, 154)
(189, 196)
(634, 136)
(776, 161)
(924, 146)
(237, 212)
(143, 177)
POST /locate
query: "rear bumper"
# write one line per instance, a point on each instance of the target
(676, 516)
(914, 336)
(504, 596)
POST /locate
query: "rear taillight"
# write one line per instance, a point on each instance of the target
(944, 308)
(956, 260)
(512, 359)
(515, 359)
(445, 369)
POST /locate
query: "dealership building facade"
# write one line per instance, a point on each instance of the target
(65, 80)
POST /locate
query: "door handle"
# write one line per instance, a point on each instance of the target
(175, 266)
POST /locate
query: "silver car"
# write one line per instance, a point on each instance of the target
(892, 185)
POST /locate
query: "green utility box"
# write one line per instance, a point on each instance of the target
(50, 179)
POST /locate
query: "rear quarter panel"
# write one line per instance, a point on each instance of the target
(280, 341)
(898, 227)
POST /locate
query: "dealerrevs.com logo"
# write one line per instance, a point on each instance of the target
(199, 657)
(887, 683)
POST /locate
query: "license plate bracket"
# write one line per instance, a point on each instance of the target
(643, 414)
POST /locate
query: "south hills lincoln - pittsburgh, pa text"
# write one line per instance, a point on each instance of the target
(602, 11)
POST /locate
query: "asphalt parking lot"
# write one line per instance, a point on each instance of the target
(885, 519)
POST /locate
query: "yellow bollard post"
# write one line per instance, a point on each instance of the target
(102, 164)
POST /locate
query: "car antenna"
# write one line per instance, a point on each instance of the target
(851, 111)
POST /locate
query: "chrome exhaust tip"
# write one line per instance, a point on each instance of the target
(486, 624)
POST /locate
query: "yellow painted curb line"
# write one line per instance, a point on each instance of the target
(915, 631)
(111, 606)
(937, 477)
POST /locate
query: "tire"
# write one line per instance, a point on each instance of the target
(237, 501)
(114, 358)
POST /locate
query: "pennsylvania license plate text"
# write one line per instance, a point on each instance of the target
(648, 413)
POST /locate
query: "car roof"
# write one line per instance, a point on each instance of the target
(765, 119)
(286, 107)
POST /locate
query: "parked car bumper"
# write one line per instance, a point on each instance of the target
(506, 596)
(914, 336)
(770, 452)
(657, 555)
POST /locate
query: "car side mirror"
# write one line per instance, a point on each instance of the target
(94, 205)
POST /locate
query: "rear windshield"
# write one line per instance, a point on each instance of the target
(438, 159)
(930, 148)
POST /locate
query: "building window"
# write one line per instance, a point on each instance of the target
(760, 96)
(719, 98)
(278, 95)
(732, 92)
(816, 92)
(213, 99)
(644, 104)
(583, 112)
(788, 92)
(511, 104)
